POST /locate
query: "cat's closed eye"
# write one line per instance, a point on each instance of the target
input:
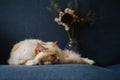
(53, 55)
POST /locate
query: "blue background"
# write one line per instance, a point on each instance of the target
(23, 19)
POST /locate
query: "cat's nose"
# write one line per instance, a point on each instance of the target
(58, 59)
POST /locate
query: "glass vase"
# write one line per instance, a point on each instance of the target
(73, 45)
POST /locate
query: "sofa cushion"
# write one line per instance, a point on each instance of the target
(57, 72)
(114, 68)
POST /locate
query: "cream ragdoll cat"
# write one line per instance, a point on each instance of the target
(34, 51)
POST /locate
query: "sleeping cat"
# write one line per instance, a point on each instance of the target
(34, 51)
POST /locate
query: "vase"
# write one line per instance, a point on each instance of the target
(73, 45)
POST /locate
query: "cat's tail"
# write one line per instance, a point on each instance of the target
(72, 57)
(88, 61)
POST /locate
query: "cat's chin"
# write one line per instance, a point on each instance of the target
(47, 62)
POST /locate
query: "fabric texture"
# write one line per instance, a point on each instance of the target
(115, 68)
(57, 72)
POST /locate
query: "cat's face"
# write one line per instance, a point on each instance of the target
(49, 57)
(48, 52)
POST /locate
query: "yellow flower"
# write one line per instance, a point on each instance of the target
(71, 12)
(66, 18)
(58, 20)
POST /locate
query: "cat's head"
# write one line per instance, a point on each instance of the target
(49, 58)
(48, 52)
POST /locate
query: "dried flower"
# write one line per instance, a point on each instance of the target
(68, 17)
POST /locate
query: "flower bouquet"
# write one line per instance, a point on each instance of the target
(68, 18)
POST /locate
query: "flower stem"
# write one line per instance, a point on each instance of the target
(68, 35)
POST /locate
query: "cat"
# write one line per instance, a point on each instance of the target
(35, 51)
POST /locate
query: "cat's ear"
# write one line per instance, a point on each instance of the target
(39, 48)
(54, 43)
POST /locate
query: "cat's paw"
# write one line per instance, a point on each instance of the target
(30, 63)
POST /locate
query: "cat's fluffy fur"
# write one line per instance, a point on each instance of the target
(34, 51)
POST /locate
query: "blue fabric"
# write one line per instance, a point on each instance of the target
(57, 72)
(115, 68)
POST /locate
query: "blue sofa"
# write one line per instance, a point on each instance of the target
(23, 19)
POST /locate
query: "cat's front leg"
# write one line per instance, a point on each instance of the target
(30, 63)
(36, 60)
(39, 57)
